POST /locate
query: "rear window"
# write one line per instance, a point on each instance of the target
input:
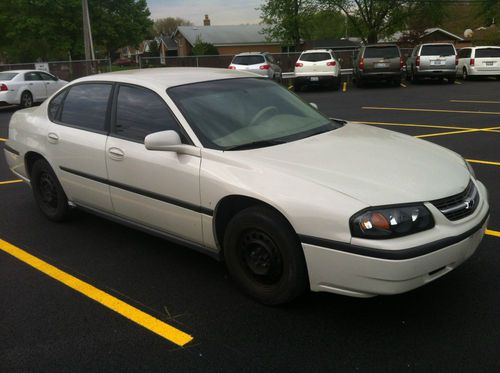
(7, 76)
(437, 50)
(381, 52)
(248, 60)
(315, 57)
(485, 52)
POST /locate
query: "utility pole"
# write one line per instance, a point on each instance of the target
(87, 32)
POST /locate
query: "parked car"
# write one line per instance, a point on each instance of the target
(261, 63)
(479, 61)
(432, 60)
(317, 67)
(25, 87)
(238, 167)
(378, 62)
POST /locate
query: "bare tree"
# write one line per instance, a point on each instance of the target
(167, 26)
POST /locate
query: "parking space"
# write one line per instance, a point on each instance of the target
(101, 289)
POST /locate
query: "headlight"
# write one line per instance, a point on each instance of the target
(471, 170)
(390, 222)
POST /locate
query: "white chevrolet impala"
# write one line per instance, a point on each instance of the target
(236, 166)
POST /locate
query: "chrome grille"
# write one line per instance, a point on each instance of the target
(460, 205)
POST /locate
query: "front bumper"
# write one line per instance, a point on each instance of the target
(357, 271)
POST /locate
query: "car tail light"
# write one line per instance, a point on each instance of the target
(361, 64)
(417, 61)
(331, 63)
(298, 64)
(472, 61)
(231, 67)
(401, 62)
(264, 67)
(3, 87)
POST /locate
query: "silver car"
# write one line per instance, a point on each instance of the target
(434, 60)
(261, 63)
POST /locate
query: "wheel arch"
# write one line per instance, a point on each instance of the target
(231, 205)
(29, 160)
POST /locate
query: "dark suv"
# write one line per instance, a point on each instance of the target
(378, 62)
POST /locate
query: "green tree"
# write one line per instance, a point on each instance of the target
(201, 48)
(167, 26)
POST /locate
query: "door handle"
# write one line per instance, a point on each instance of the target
(53, 138)
(116, 154)
(30, 84)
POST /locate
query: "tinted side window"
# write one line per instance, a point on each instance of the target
(248, 60)
(86, 106)
(55, 104)
(47, 77)
(488, 53)
(140, 112)
(315, 57)
(32, 76)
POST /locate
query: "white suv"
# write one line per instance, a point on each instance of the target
(261, 63)
(317, 67)
(479, 61)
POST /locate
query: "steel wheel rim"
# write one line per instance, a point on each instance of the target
(26, 100)
(260, 257)
(47, 191)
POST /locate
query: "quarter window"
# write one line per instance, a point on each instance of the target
(47, 77)
(86, 106)
(55, 104)
(140, 112)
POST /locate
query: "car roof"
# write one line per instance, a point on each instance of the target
(23, 71)
(380, 45)
(317, 50)
(250, 53)
(165, 77)
(484, 46)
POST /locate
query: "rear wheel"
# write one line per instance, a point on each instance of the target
(297, 87)
(48, 192)
(451, 80)
(359, 83)
(26, 99)
(264, 256)
(414, 77)
(465, 74)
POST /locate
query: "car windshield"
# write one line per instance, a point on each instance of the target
(248, 60)
(7, 76)
(381, 52)
(247, 113)
(488, 53)
(315, 57)
(437, 50)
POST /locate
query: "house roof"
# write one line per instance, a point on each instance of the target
(225, 35)
(438, 29)
(168, 42)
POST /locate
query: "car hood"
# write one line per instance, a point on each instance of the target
(372, 165)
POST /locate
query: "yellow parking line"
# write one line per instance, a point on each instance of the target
(10, 182)
(145, 320)
(492, 233)
(2, 139)
(475, 102)
(483, 162)
(431, 110)
(413, 125)
(458, 132)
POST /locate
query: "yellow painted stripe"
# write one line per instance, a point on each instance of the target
(143, 319)
(2, 139)
(492, 233)
(483, 162)
(10, 182)
(458, 132)
(475, 102)
(431, 110)
(413, 125)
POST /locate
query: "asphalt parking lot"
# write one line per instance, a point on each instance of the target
(452, 324)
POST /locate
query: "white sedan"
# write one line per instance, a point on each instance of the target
(25, 87)
(240, 168)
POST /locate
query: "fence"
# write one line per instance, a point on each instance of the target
(66, 70)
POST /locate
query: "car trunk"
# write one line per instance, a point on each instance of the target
(381, 59)
(487, 59)
(314, 62)
(437, 57)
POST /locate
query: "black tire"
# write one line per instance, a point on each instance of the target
(297, 87)
(359, 83)
(335, 84)
(414, 77)
(465, 75)
(264, 256)
(48, 192)
(26, 100)
(451, 80)
(396, 82)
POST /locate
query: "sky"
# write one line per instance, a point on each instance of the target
(220, 12)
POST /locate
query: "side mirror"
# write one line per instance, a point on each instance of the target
(169, 141)
(314, 105)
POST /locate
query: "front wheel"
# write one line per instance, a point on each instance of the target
(48, 192)
(264, 256)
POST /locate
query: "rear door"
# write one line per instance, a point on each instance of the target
(487, 59)
(382, 59)
(36, 85)
(158, 189)
(437, 57)
(50, 83)
(76, 142)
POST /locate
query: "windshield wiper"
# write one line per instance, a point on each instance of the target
(255, 144)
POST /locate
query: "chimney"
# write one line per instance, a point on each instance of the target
(206, 21)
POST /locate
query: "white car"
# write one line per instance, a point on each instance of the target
(260, 63)
(317, 67)
(25, 87)
(239, 168)
(478, 61)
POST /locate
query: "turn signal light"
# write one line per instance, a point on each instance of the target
(472, 61)
(361, 64)
(231, 67)
(3, 87)
(331, 63)
(264, 67)
(417, 61)
(401, 62)
(298, 64)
